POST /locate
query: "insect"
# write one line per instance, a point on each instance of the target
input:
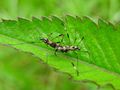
(59, 47)
(64, 49)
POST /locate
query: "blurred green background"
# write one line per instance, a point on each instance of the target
(23, 71)
(107, 9)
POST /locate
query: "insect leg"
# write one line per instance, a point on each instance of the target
(68, 37)
(80, 41)
(76, 57)
(75, 36)
(76, 67)
(49, 35)
(56, 52)
(62, 38)
(61, 35)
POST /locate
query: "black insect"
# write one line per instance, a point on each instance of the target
(58, 47)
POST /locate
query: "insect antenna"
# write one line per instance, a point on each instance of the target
(76, 67)
(75, 37)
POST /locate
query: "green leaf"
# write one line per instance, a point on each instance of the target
(100, 65)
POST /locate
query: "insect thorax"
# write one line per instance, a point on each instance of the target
(50, 43)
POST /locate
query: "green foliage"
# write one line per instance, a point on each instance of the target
(102, 41)
(22, 71)
(108, 9)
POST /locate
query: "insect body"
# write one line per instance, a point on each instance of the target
(59, 47)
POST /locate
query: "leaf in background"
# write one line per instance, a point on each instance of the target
(101, 41)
